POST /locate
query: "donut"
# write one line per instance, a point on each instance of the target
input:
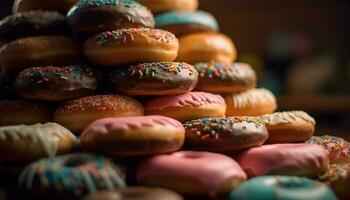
(27, 143)
(289, 127)
(133, 136)
(158, 78)
(282, 188)
(224, 134)
(307, 160)
(338, 178)
(15, 112)
(27, 5)
(187, 106)
(77, 114)
(338, 148)
(38, 51)
(56, 83)
(88, 17)
(253, 102)
(32, 23)
(135, 193)
(185, 23)
(129, 46)
(159, 6)
(71, 176)
(225, 78)
(205, 47)
(191, 173)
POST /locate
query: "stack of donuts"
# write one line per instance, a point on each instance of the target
(118, 99)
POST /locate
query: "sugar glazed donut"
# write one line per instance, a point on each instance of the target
(77, 114)
(15, 112)
(307, 160)
(225, 78)
(224, 134)
(71, 176)
(89, 17)
(28, 143)
(192, 173)
(27, 5)
(159, 78)
(129, 46)
(56, 83)
(158, 6)
(131, 136)
(253, 102)
(289, 127)
(187, 106)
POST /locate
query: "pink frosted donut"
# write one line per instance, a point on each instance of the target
(188, 106)
(129, 136)
(307, 160)
(192, 173)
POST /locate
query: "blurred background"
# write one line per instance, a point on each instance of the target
(300, 50)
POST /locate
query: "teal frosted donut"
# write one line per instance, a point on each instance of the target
(282, 188)
(183, 23)
(70, 176)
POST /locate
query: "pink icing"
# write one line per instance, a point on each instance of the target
(182, 100)
(210, 169)
(261, 160)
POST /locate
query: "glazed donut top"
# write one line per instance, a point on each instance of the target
(191, 99)
(46, 135)
(211, 169)
(336, 172)
(254, 96)
(287, 118)
(197, 17)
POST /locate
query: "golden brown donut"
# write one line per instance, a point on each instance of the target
(225, 78)
(129, 46)
(77, 114)
(252, 103)
(39, 51)
(58, 5)
(204, 47)
(157, 6)
(289, 127)
(24, 112)
(29, 143)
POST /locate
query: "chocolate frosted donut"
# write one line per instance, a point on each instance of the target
(33, 23)
(159, 78)
(56, 83)
(225, 78)
(27, 5)
(93, 16)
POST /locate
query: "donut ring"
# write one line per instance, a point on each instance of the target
(338, 148)
(39, 51)
(128, 46)
(158, 6)
(71, 176)
(253, 102)
(88, 17)
(187, 106)
(224, 134)
(184, 23)
(289, 127)
(282, 188)
(77, 114)
(225, 78)
(159, 78)
(27, 5)
(28, 143)
(133, 136)
(306, 160)
(56, 83)
(15, 112)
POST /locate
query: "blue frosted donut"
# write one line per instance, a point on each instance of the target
(282, 188)
(70, 176)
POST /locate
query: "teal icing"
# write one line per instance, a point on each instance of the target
(282, 188)
(198, 17)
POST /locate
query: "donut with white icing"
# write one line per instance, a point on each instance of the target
(188, 106)
(289, 127)
(133, 136)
